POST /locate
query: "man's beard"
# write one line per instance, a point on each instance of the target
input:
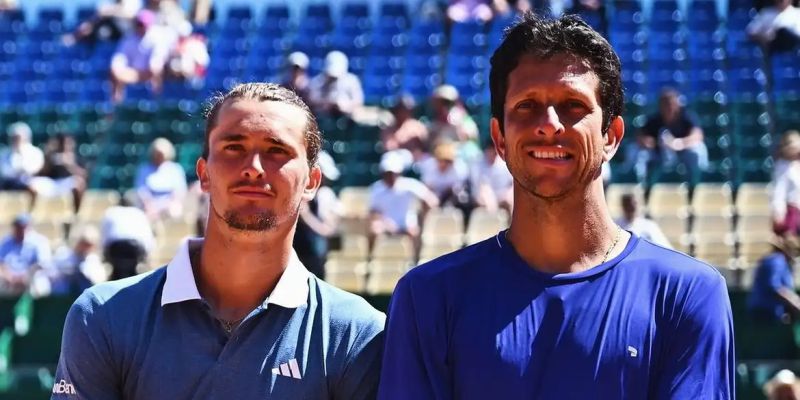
(260, 222)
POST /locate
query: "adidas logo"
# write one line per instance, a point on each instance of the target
(290, 370)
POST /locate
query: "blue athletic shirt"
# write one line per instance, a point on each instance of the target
(480, 323)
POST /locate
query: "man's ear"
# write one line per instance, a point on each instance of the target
(498, 138)
(314, 182)
(201, 168)
(613, 138)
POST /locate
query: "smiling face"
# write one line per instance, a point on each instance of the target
(257, 171)
(552, 139)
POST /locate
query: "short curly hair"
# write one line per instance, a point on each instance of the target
(535, 35)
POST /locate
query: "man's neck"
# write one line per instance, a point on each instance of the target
(569, 234)
(236, 272)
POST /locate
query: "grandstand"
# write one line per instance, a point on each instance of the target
(743, 100)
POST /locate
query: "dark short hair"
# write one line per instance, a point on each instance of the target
(544, 38)
(260, 91)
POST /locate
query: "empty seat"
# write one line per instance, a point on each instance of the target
(752, 199)
(352, 247)
(484, 224)
(668, 200)
(712, 199)
(714, 228)
(675, 229)
(57, 208)
(716, 253)
(394, 248)
(355, 201)
(443, 222)
(614, 195)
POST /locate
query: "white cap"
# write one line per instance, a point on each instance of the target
(336, 64)
(20, 129)
(298, 58)
(392, 162)
(446, 92)
(328, 166)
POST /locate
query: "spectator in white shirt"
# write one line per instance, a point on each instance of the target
(392, 202)
(445, 175)
(492, 183)
(336, 91)
(161, 183)
(450, 120)
(785, 195)
(777, 28)
(20, 161)
(633, 221)
(141, 55)
(127, 238)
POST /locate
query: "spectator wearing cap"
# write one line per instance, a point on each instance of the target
(405, 132)
(76, 268)
(450, 121)
(22, 253)
(141, 55)
(297, 75)
(160, 184)
(318, 220)
(335, 92)
(61, 174)
(126, 238)
(491, 183)
(773, 298)
(20, 161)
(392, 200)
(446, 176)
(783, 386)
(785, 193)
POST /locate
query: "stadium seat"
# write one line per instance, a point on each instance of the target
(355, 201)
(668, 200)
(346, 274)
(614, 195)
(393, 248)
(383, 276)
(714, 252)
(712, 199)
(484, 224)
(443, 222)
(676, 231)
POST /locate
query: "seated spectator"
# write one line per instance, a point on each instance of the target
(127, 238)
(335, 91)
(633, 220)
(141, 55)
(446, 176)
(189, 59)
(112, 20)
(20, 161)
(670, 136)
(161, 183)
(78, 268)
(169, 14)
(61, 173)
(318, 220)
(492, 183)
(297, 75)
(783, 386)
(406, 132)
(772, 297)
(22, 253)
(776, 28)
(450, 121)
(785, 193)
(392, 200)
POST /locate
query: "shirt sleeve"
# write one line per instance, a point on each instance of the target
(85, 369)
(360, 378)
(698, 360)
(414, 361)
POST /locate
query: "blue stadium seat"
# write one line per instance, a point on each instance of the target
(705, 83)
(378, 89)
(469, 38)
(392, 8)
(496, 28)
(51, 14)
(276, 21)
(240, 12)
(746, 84)
(420, 86)
(739, 18)
(702, 16)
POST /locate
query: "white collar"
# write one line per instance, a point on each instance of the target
(290, 292)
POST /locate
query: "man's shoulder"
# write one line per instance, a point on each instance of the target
(122, 294)
(454, 263)
(672, 265)
(346, 308)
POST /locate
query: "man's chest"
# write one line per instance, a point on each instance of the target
(193, 366)
(600, 344)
